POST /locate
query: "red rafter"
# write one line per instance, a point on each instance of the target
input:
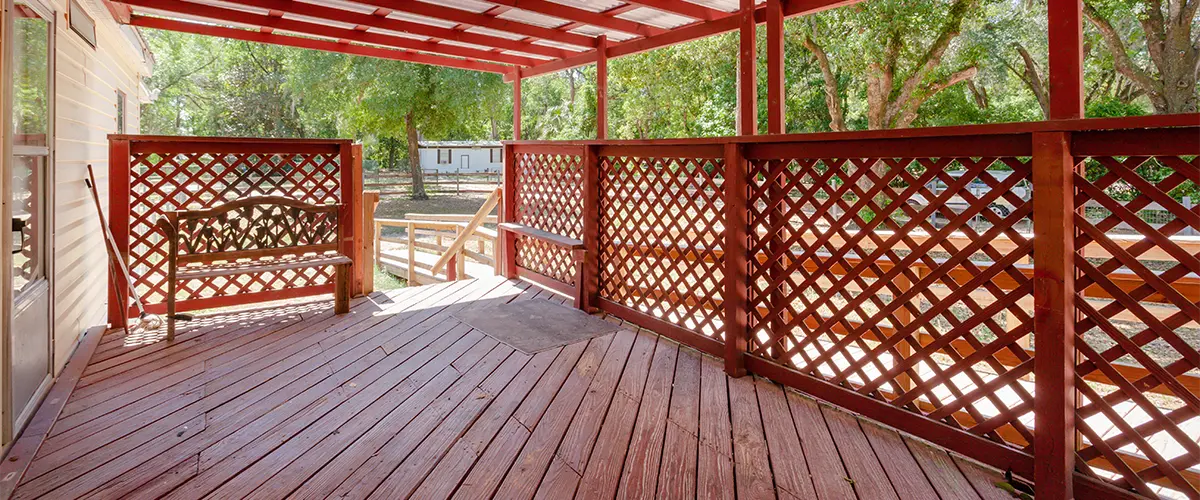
(583, 17)
(365, 21)
(314, 44)
(682, 8)
(482, 21)
(241, 17)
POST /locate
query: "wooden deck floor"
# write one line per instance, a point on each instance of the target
(398, 399)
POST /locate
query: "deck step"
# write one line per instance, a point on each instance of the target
(396, 263)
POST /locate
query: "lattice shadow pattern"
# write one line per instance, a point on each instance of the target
(661, 238)
(188, 181)
(549, 197)
(1144, 423)
(897, 278)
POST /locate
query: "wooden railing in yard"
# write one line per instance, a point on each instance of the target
(150, 175)
(829, 263)
(400, 182)
(422, 262)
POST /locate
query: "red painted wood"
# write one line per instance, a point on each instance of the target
(118, 221)
(591, 229)
(517, 106)
(736, 266)
(1054, 315)
(602, 88)
(508, 212)
(776, 84)
(314, 44)
(327, 31)
(402, 26)
(1066, 59)
(747, 101)
(351, 216)
(468, 18)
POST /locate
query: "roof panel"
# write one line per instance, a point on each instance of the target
(533, 18)
(404, 16)
(468, 5)
(592, 5)
(656, 18)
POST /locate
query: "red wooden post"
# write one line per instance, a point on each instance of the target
(747, 116)
(1054, 315)
(1066, 59)
(118, 218)
(590, 284)
(736, 266)
(508, 213)
(776, 123)
(349, 180)
(602, 88)
(359, 268)
(517, 105)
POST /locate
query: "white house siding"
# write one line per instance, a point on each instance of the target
(479, 160)
(86, 81)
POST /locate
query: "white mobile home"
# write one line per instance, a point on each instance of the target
(71, 75)
(461, 156)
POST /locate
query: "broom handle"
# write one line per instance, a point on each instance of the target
(111, 243)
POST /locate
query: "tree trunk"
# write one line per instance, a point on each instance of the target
(1172, 53)
(414, 159)
(833, 98)
(392, 145)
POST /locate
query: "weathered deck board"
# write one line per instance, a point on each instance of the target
(398, 399)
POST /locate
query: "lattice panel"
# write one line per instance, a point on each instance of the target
(549, 197)
(1144, 335)
(187, 181)
(661, 238)
(906, 279)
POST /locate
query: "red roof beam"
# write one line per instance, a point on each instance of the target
(582, 16)
(679, 35)
(376, 20)
(320, 30)
(314, 44)
(683, 8)
(481, 20)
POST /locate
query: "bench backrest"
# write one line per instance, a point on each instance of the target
(252, 228)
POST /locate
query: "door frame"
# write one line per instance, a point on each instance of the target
(10, 426)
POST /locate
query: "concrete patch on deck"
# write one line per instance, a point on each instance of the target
(532, 326)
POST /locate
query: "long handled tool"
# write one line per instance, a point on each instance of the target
(146, 320)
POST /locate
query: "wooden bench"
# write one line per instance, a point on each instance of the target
(253, 235)
(576, 247)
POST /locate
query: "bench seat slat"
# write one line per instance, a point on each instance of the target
(548, 237)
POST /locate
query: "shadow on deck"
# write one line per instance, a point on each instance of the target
(399, 399)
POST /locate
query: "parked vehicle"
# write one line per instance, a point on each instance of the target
(977, 187)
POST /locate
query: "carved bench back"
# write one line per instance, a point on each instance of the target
(251, 228)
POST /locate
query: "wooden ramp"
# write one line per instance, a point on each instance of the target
(396, 263)
(400, 400)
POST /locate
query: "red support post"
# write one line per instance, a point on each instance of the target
(602, 88)
(747, 113)
(517, 105)
(776, 121)
(359, 268)
(736, 263)
(346, 215)
(118, 219)
(1054, 315)
(590, 281)
(508, 213)
(1065, 20)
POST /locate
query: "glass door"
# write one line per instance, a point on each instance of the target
(28, 169)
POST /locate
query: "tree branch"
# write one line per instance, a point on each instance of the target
(1033, 79)
(910, 111)
(833, 100)
(931, 59)
(1121, 59)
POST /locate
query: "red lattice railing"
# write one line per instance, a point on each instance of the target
(661, 234)
(1144, 424)
(898, 274)
(549, 196)
(152, 175)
